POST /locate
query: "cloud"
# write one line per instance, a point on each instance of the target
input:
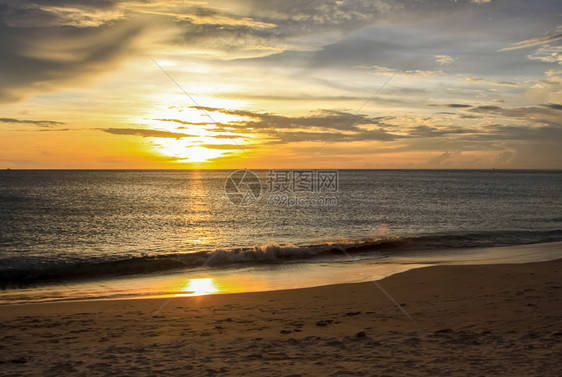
(40, 123)
(485, 109)
(547, 89)
(54, 45)
(290, 26)
(385, 71)
(145, 133)
(540, 116)
(38, 60)
(321, 119)
(452, 105)
(227, 147)
(185, 122)
(28, 13)
(49, 46)
(547, 54)
(228, 136)
(427, 131)
(498, 132)
(218, 19)
(343, 127)
(554, 106)
(444, 158)
(491, 82)
(318, 126)
(444, 59)
(285, 137)
(550, 36)
(505, 156)
(39, 14)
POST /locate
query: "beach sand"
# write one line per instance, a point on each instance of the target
(488, 320)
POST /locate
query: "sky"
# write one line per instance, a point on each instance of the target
(342, 84)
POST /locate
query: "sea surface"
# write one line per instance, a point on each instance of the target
(64, 227)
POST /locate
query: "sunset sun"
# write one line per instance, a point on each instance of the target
(186, 150)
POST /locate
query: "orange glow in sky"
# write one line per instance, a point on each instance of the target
(228, 84)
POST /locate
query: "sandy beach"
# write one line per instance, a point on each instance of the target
(487, 320)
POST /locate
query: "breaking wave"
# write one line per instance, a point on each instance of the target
(266, 254)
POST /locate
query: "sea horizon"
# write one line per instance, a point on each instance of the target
(283, 168)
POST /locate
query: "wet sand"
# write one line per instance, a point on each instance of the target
(486, 320)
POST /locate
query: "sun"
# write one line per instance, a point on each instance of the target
(186, 150)
(202, 142)
(199, 287)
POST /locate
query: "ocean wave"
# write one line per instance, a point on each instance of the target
(265, 254)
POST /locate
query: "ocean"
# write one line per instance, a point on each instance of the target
(63, 231)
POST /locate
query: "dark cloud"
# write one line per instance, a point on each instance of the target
(36, 60)
(553, 106)
(322, 125)
(300, 26)
(324, 119)
(547, 114)
(510, 132)
(375, 35)
(345, 127)
(333, 137)
(54, 130)
(217, 127)
(427, 131)
(51, 45)
(452, 105)
(486, 109)
(340, 126)
(46, 13)
(40, 123)
(145, 133)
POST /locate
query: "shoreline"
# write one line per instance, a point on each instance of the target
(275, 277)
(501, 319)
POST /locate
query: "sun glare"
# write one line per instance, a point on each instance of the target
(199, 287)
(202, 142)
(184, 150)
